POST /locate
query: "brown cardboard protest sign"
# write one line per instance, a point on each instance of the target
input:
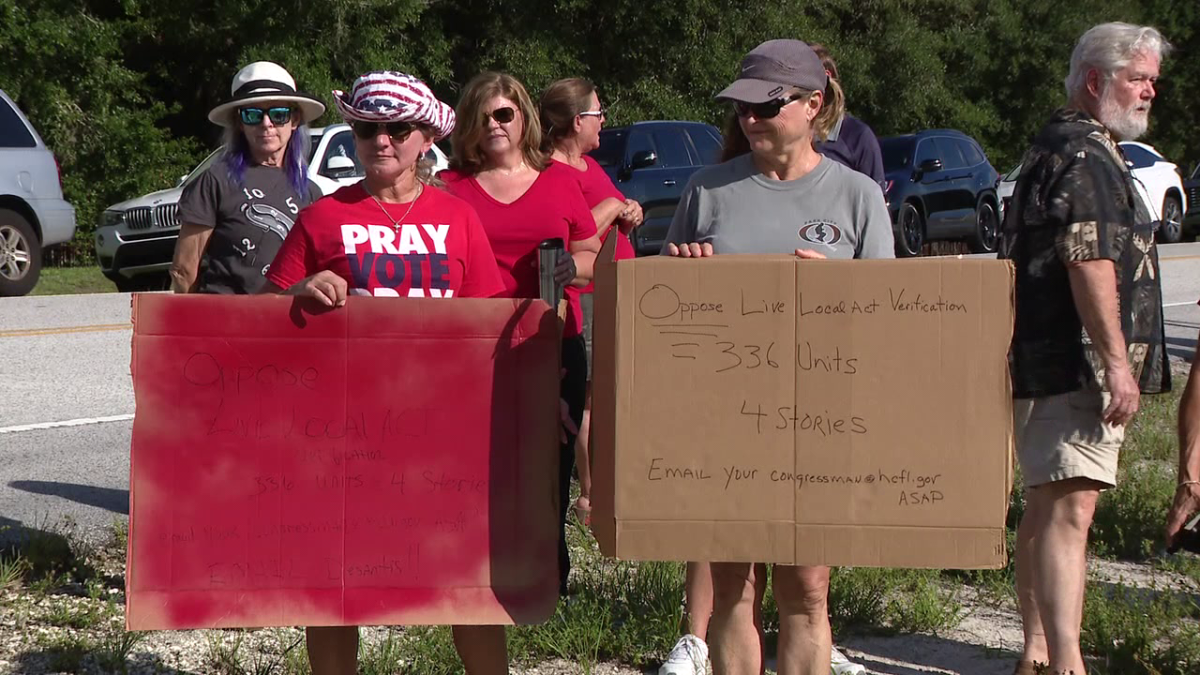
(751, 408)
(388, 462)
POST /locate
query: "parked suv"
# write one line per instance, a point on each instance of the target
(33, 214)
(135, 240)
(1158, 182)
(651, 163)
(940, 187)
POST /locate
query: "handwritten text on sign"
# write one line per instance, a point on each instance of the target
(799, 367)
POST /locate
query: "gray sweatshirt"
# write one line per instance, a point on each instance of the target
(832, 210)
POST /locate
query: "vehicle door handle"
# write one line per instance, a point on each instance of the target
(668, 182)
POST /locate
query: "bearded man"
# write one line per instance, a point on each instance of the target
(1088, 339)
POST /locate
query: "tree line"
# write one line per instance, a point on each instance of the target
(120, 89)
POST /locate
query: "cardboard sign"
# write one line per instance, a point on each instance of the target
(388, 462)
(751, 408)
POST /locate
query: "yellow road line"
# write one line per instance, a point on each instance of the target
(29, 332)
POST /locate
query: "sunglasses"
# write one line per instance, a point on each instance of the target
(501, 115)
(397, 131)
(764, 111)
(252, 117)
(593, 113)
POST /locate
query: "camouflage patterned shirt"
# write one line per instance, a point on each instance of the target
(1075, 201)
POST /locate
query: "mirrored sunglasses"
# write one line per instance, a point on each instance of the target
(254, 116)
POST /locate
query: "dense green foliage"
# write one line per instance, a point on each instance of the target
(120, 88)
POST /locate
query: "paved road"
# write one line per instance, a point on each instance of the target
(66, 399)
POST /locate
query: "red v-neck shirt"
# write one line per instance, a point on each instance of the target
(596, 187)
(553, 206)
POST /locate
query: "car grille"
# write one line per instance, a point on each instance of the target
(137, 254)
(145, 217)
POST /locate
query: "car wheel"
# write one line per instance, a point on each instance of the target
(1170, 231)
(911, 231)
(20, 254)
(987, 231)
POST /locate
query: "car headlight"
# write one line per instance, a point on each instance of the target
(112, 218)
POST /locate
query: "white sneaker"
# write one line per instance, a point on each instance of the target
(689, 656)
(840, 665)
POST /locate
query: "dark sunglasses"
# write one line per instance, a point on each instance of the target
(765, 111)
(252, 117)
(398, 131)
(501, 115)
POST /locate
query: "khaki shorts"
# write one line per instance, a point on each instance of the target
(1061, 437)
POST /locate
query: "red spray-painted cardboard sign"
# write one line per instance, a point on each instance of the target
(388, 462)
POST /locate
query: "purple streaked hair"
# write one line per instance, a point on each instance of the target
(295, 159)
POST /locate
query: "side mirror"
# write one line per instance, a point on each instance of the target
(930, 166)
(643, 159)
(339, 166)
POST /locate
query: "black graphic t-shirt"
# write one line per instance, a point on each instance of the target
(249, 221)
(1075, 201)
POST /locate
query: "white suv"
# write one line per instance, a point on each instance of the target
(1157, 181)
(135, 240)
(33, 214)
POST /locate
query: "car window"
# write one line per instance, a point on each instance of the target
(13, 132)
(1138, 157)
(897, 153)
(948, 150)
(672, 148)
(707, 144)
(612, 148)
(639, 141)
(341, 145)
(926, 149)
(1012, 175)
(970, 152)
(314, 142)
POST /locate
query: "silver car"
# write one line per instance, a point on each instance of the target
(135, 240)
(33, 213)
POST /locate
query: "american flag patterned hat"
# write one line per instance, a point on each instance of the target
(389, 96)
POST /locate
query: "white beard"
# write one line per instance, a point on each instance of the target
(1127, 124)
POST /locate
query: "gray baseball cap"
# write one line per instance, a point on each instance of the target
(774, 67)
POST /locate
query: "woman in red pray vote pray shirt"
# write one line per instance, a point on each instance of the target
(571, 120)
(523, 198)
(395, 235)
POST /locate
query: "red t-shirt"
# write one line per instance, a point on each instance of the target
(552, 207)
(439, 250)
(596, 187)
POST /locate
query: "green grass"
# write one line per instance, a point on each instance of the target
(68, 653)
(1130, 519)
(112, 654)
(72, 280)
(65, 615)
(1130, 631)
